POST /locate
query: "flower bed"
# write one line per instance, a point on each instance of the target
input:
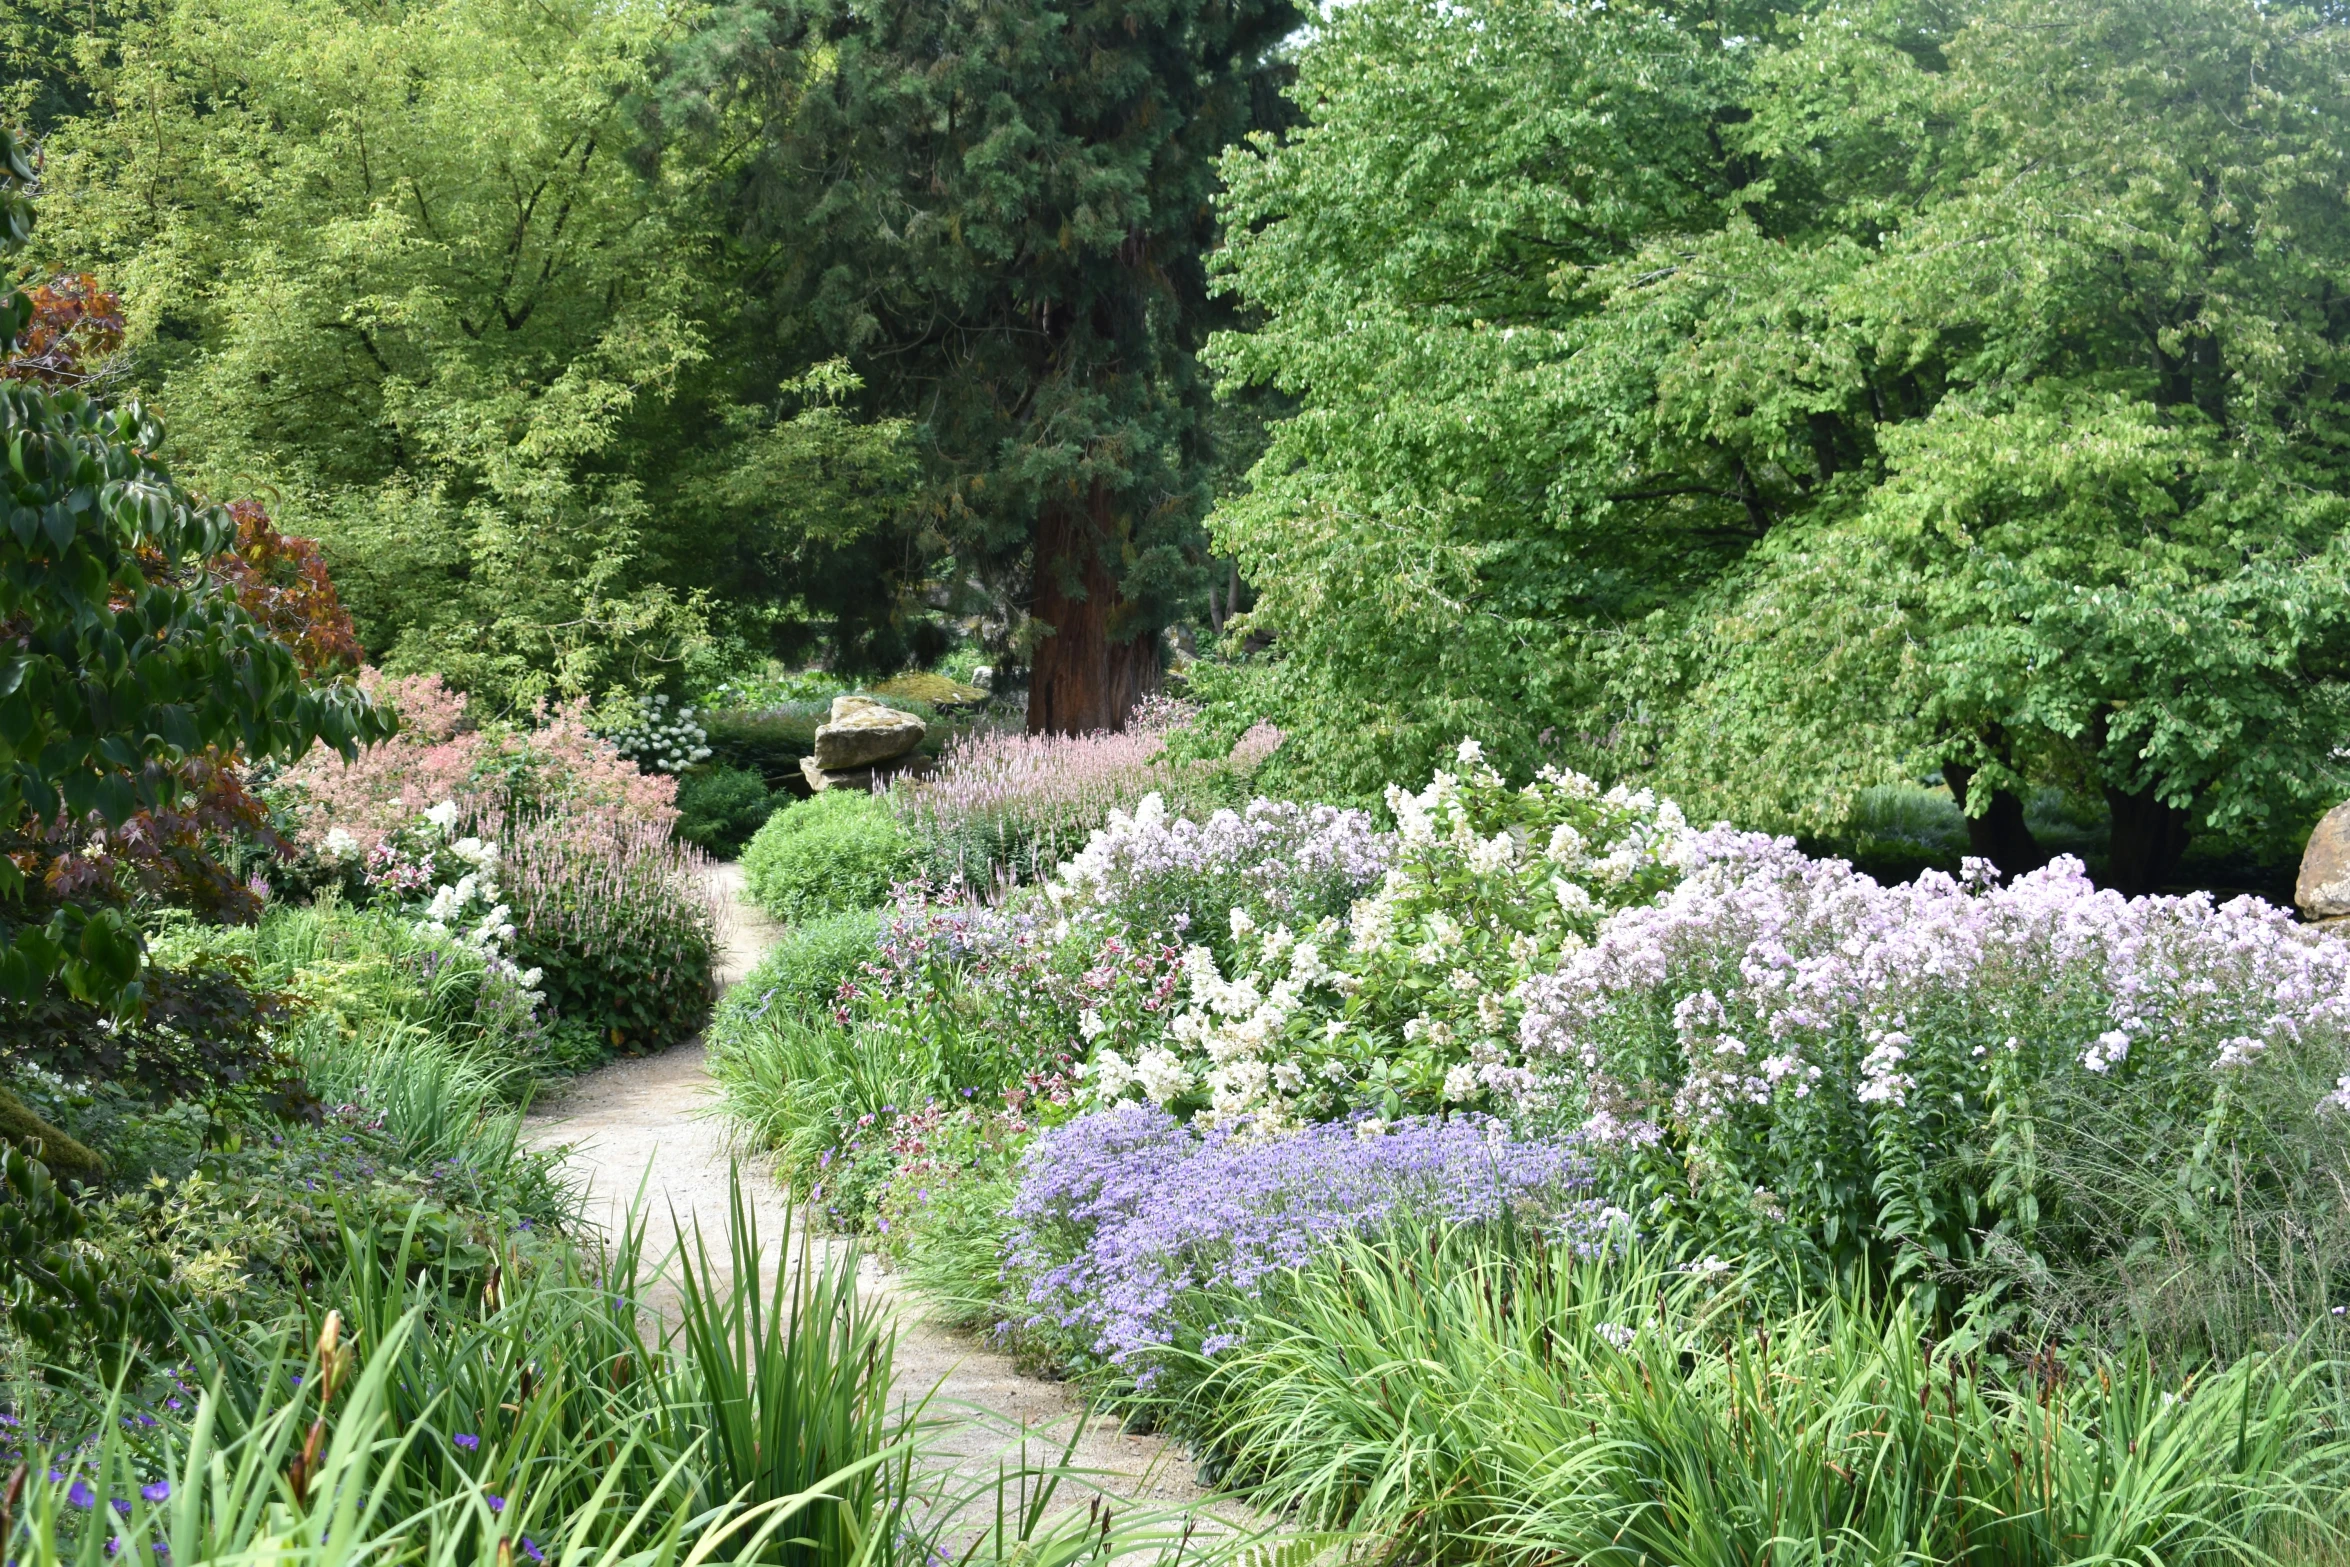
(1130, 1227)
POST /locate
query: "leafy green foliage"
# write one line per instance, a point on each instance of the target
(58, 1296)
(720, 807)
(803, 972)
(1789, 405)
(417, 267)
(840, 850)
(129, 669)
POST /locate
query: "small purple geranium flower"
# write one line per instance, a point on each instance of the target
(466, 1440)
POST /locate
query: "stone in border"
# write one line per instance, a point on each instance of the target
(2323, 889)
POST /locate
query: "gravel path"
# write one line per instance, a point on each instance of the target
(651, 1125)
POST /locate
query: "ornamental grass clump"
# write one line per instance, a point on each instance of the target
(619, 918)
(2130, 1110)
(1133, 1233)
(1478, 1396)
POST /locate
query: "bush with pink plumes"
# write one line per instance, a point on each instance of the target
(442, 752)
(1003, 806)
(621, 919)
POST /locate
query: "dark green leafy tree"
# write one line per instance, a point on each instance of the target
(126, 676)
(998, 210)
(1927, 387)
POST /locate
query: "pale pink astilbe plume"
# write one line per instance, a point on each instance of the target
(440, 754)
(1002, 803)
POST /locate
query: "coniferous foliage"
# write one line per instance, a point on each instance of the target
(999, 211)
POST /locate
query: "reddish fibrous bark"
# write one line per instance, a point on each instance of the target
(1099, 660)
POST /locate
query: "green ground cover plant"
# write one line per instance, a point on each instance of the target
(523, 1411)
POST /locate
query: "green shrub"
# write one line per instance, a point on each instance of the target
(803, 971)
(841, 850)
(719, 808)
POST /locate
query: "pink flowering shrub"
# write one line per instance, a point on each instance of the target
(441, 754)
(1958, 1083)
(618, 916)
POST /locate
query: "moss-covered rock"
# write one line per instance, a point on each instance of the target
(67, 1159)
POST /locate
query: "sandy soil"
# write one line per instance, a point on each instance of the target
(650, 1126)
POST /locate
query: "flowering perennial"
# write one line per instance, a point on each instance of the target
(1129, 1224)
(1411, 1004)
(1150, 871)
(1903, 1063)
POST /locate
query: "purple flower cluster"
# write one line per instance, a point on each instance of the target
(1279, 860)
(1771, 959)
(1803, 1033)
(1126, 1221)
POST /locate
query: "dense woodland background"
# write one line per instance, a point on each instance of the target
(1916, 426)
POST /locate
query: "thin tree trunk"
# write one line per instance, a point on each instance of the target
(1097, 663)
(2149, 839)
(2000, 834)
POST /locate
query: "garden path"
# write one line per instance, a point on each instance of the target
(651, 1125)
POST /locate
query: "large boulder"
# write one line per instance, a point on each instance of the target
(862, 733)
(2323, 890)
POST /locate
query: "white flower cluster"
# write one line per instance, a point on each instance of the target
(657, 738)
(469, 911)
(1237, 1026)
(1414, 999)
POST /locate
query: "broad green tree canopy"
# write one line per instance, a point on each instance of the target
(1783, 401)
(406, 269)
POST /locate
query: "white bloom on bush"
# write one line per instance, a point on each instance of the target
(1491, 856)
(443, 815)
(2111, 1049)
(2339, 1099)
(1108, 1074)
(339, 846)
(1162, 1075)
(1460, 1082)
(2239, 1051)
(1289, 1076)
(1879, 1082)
(1090, 1025)
(1243, 924)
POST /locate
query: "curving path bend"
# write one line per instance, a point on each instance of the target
(651, 1124)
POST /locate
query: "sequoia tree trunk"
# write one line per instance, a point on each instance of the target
(2000, 834)
(2149, 839)
(1099, 660)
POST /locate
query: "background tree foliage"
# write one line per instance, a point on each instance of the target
(1779, 404)
(999, 212)
(395, 266)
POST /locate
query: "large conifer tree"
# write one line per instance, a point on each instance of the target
(999, 209)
